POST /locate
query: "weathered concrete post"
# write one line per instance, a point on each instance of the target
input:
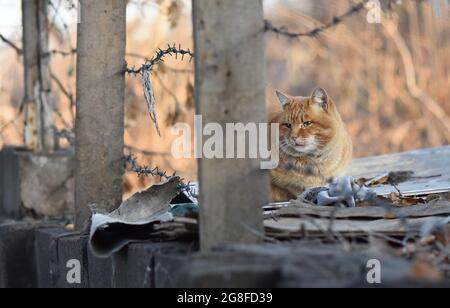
(229, 48)
(100, 106)
(39, 127)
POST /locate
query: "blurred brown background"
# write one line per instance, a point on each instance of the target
(391, 80)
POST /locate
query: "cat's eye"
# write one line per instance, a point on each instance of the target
(287, 125)
(307, 124)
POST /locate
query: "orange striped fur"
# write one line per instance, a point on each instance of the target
(314, 144)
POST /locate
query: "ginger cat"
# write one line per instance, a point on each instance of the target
(314, 144)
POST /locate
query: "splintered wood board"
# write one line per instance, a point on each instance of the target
(299, 218)
(301, 210)
(431, 169)
(312, 226)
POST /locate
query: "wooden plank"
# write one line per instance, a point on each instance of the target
(314, 226)
(298, 209)
(100, 106)
(229, 45)
(431, 169)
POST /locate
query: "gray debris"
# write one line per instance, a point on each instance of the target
(342, 191)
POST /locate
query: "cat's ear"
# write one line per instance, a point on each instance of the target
(284, 99)
(321, 98)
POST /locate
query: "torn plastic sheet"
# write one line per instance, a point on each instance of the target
(134, 220)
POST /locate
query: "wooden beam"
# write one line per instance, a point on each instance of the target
(100, 106)
(229, 47)
(39, 132)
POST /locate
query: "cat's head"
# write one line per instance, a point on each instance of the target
(307, 124)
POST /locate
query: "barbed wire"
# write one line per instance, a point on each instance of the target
(145, 71)
(336, 20)
(159, 57)
(131, 160)
(164, 67)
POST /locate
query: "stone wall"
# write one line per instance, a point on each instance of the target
(38, 185)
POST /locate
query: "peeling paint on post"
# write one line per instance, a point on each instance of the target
(229, 48)
(100, 106)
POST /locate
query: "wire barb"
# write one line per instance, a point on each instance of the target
(145, 71)
(159, 57)
(131, 160)
(284, 31)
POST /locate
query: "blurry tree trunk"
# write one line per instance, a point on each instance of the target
(230, 81)
(420, 18)
(100, 106)
(39, 127)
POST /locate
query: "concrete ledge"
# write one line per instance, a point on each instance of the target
(45, 247)
(17, 263)
(41, 185)
(41, 258)
(216, 270)
(133, 267)
(10, 204)
(108, 273)
(145, 266)
(281, 266)
(55, 249)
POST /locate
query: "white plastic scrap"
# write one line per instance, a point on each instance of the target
(134, 219)
(341, 191)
